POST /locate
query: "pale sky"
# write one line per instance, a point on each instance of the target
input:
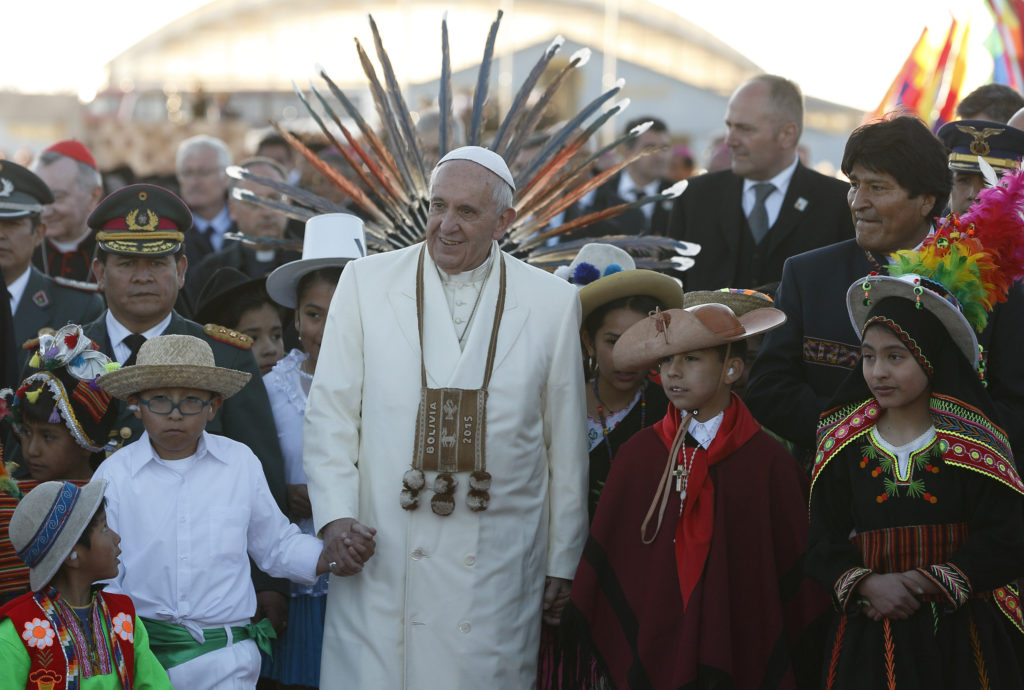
(836, 50)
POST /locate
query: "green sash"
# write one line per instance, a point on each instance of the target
(173, 644)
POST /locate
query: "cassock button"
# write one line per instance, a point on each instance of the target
(464, 627)
(469, 560)
(417, 554)
(125, 432)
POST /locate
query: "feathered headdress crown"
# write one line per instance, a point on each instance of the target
(973, 260)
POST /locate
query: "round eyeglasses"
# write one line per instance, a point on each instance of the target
(187, 406)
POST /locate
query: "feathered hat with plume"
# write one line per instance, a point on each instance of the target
(961, 271)
(392, 186)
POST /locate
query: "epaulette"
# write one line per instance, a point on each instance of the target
(79, 285)
(227, 335)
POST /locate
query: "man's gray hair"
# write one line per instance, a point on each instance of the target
(87, 177)
(204, 141)
(786, 98)
(501, 193)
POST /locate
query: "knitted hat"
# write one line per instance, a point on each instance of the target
(332, 239)
(68, 364)
(671, 332)
(48, 522)
(604, 273)
(174, 361)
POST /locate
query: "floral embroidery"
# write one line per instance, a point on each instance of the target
(39, 633)
(124, 627)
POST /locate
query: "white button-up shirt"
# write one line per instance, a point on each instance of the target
(186, 536)
(117, 332)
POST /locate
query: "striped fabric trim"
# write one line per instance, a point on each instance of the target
(41, 542)
(845, 585)
(898, 549)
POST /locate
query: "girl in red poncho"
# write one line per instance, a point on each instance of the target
(691, 576)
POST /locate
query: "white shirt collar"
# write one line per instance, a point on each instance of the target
(17, 288)
(147, 454)
(476, 275)
(627, 185)
(781, 181)
(704, 432)
(220, 222)
(117, 332)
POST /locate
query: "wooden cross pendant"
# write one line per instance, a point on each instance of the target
(680, 473)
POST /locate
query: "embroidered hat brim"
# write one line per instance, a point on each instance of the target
(956, 324)
(37, 506)
(628, 284)
(676, 331)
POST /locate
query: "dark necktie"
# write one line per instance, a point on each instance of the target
(759, 214)
(134, 342)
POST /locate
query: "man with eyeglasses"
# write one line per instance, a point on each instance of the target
(201, 167)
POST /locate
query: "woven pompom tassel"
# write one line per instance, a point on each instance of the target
(54, 417)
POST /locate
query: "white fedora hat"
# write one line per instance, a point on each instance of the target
(332, 239)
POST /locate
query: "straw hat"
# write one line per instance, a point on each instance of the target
(672, 332)
(740, 301)
(48, 522)
(174, 361)
(931, 295)
(603, 273)
(332, 239)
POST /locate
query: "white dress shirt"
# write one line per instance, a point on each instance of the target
(462, 291)
(117, 332)
(17, 288)
(219, 223)
(631, 191)
(704, 432)
(773, 202)
(186, 537)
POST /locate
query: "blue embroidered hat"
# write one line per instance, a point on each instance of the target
(47, 523)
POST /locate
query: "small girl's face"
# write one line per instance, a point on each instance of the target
(311, 315)
(616, 322)
(263, 325)
(891, 371)
(51, 453)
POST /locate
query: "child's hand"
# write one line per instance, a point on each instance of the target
(298, 501)
(556, 596)
(887, 597)
(348, 545)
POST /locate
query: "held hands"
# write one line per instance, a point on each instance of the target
(556, 596)
(894, 595)
(348, 544)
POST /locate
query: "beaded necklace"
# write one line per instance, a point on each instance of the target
(604, 423)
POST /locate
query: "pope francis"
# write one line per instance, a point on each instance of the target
(445, 451)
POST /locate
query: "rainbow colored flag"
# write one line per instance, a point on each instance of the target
(929, 83)
(1006, 43)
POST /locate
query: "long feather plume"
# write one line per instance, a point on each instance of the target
(389, 119)
(559, 138)
(445, 102)
(518, 103)
(412, 146)
(530, 120)
(376, 145)
(296, 194)
(482, 84)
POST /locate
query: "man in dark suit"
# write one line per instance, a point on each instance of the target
(768, 206)
(140, 267)
(899, 184)
(36, 301)
(201, 167)
(646, 176)
(251, 220)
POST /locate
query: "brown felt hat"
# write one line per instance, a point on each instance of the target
(671, 332)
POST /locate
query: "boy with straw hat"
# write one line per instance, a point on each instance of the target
(66, 633)
(691, 575)
(191, 582)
